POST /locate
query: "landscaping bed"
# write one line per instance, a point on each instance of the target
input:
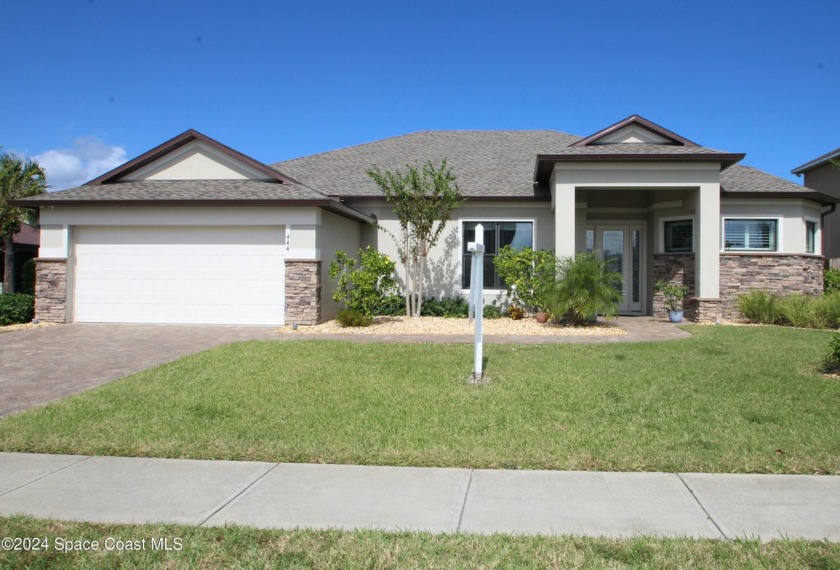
(454, 326)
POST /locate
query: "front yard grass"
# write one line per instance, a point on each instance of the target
(729, 399)
(250, 548)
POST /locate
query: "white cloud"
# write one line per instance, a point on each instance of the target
(88, 158)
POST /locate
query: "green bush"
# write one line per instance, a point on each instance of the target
(672, 293)
(16, 308)
(585, 288)
(448, 307)
(760, 307)
(365, 288)
(492, 311)
(831, 280)
(27, 277)
(351, 318)
(800, 310)
(832, 361)
(828, 307)
(392, 305)
(527, 275)
(453, 307)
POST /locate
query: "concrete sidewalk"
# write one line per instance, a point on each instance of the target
(283, 495)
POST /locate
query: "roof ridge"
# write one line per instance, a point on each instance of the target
(414, 133)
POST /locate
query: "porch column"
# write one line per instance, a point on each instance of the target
(564, 220)
(707, 257)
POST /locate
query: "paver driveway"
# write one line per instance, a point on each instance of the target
(40, 365)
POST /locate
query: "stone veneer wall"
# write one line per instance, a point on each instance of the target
(678, 268)
(739, 272)
(782, 274)
(303, 291)
(51, 290)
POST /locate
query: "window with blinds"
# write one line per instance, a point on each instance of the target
(496, 236)
(679, 236)
(759, 235)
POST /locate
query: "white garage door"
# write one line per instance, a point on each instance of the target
(191, 275)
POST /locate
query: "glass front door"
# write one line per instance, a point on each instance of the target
(621, 249)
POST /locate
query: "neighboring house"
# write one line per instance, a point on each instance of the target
(824, 176)
(26, 243)
(196, 232)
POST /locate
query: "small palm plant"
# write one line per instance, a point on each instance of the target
(585, 288)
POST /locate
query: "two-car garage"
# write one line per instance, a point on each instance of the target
(178, 274)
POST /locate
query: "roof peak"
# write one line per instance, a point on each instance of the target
(173, 144)
(658, 131)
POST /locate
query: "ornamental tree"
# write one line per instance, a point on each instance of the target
(422, 199)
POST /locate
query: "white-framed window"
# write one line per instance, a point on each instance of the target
(497, 234)
(811, 236)
(751, 234)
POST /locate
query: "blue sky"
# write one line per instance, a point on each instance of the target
(88, 84)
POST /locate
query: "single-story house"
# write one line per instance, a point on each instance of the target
(196, 232)
(25, 244)
(823, 175)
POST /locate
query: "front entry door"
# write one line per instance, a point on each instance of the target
(621, 247)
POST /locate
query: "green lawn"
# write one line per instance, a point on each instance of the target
(729, 399)
(249, 548)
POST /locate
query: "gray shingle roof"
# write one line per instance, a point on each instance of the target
(485, 163)
(740, 178)
(166, 190)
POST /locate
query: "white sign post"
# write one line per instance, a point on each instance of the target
(476, 248)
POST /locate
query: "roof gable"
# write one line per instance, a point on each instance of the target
(635, 130)
(191, 156)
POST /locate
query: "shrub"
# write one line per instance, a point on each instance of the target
(831, 280)
(585, 288)
(27, 277)
(515, 312)
(492, 311)
(760, 307)
(828, 307)
(392, 305)
(453, 307)
(800, 310)
(363, 289)
(673, 294)
(16, 308)
(351, 318)
(527, 274)
(832, 361)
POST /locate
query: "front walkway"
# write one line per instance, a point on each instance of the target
(287, 496)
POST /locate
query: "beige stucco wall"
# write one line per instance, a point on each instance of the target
(334, 233)
(791, 213)
(196, 161)
(443, 272)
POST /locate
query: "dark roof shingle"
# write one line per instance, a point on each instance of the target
(485, 163)
(186, 190)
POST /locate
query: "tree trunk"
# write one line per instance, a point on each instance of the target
(422, 268)
(413, 286)
(9, 269)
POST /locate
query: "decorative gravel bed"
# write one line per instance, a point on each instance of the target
(23, 326)
(445, 326)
